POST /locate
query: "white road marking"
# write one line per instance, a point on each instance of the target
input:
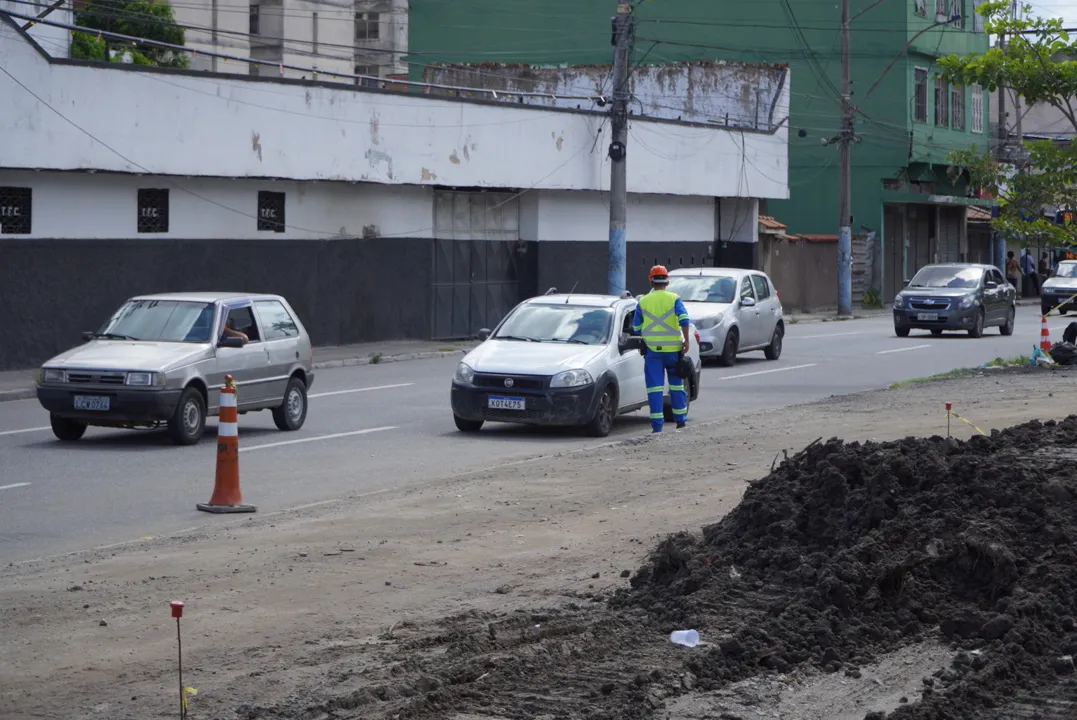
(359, 390)
(830, 335)
(27, 430)
(13, 485)
(904, 349)
(282, 443)
(768, 372)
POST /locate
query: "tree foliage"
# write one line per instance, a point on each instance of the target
(148, 19)
(1037, 62)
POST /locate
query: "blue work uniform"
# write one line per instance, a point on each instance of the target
(659, 317)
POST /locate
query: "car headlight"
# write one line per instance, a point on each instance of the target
(464, 374)
(968, 301)
(144, 379)
(52, 375)
(708, 322)
(571, 378)
(899, 301)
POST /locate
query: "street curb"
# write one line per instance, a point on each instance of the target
(29, 393)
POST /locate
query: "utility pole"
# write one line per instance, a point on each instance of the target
(845, 200)
(624, 35)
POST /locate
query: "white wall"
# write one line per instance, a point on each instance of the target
(86, 206)
(191, 125)
(738, 219)
(582, 216)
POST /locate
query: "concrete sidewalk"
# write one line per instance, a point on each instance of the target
(19, 384)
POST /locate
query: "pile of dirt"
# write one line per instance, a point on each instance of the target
(847, 551)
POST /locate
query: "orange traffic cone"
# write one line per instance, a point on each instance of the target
(226, 496)
(1045, 336)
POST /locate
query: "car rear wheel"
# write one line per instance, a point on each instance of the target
(468, 426)
(292, 413)
(602, 422)
(774, 350)
(901, 331)
(1007, 327)
(729, 351)
(188, 422)
(67, 430)
(977, 329)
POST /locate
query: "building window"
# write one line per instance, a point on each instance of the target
(977, 18)
(942, 102)
(942, 10)
(920, 96)
(957, 15)
(152, 210)
(367, 26)
(957, 107)
(256, 16)
(977, 100)
(920, 7)
(16, 210)
(371, 71)
(271, 211)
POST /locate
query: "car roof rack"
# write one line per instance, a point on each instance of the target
(551, 291)
(627, 295)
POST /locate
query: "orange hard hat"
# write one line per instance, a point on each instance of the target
(658, 274)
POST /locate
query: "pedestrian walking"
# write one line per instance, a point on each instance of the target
(662, 320)
(1045, 266)
(1013, 271)
(1028, 266)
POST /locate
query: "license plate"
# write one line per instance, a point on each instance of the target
(505, 403)
(927, 316)
(89, 402)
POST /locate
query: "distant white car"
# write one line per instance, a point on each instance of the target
(559, 360)
(735, 311)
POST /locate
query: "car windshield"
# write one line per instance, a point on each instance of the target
(704, 288)
(1066, 270)
(541, 322)
(161, 321)
(948, 277)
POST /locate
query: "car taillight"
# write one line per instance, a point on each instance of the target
(697, 337)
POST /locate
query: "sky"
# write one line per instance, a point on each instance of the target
(1066, 9)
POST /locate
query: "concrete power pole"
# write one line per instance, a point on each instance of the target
(623, 38)
(845, 201)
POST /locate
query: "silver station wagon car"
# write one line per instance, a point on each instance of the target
(161, 361)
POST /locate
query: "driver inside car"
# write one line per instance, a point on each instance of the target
(591, 327)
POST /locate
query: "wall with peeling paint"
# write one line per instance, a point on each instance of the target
(230, 126)
(740, 95)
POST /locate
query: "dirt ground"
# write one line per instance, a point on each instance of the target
(477, 596)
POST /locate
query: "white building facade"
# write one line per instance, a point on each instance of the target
(378, 214)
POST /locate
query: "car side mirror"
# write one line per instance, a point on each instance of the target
(906, 282)
(990, 285)
(747, 302)
(230, 342)
(632, 342)
(484, 334)
(88, 335)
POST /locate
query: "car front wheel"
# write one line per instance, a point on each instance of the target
(729, 350)
(901, 331)
(774, 350)
(67, 430)
(292, 413)
(602, 422)
(977, 329)
(468, 426)
(188, 422)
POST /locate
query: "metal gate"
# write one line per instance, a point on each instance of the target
(949, 234)
(476, 268)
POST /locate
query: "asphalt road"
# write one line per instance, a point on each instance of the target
(380, 427)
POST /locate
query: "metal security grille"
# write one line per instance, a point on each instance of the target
(152, 210)
(16, 210)
(475, 261)
(271, 211)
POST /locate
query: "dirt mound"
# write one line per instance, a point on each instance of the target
(846, 551)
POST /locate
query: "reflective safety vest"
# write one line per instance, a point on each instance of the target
(661, 329)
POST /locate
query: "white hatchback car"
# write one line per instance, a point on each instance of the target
(734, 310)
(559, 360)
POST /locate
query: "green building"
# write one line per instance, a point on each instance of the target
(907, 121)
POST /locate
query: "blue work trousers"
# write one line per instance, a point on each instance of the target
(655, 368)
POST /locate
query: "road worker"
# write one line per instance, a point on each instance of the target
(662, 321)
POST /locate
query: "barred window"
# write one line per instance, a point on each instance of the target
(920, 96)
(957, 107)
(942, 102)
(271, 211)
(16, 210)
(153, 210)
(977, 101)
